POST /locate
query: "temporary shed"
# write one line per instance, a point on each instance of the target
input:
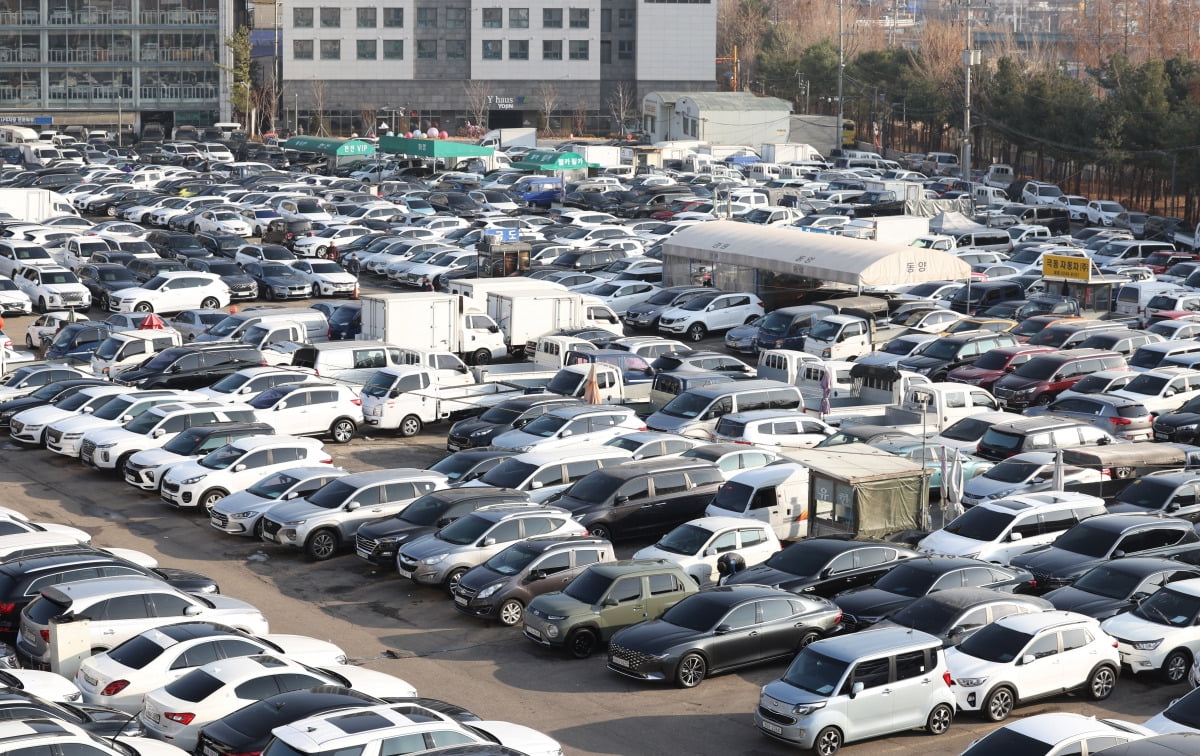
(432, 148)
(953, 223)
(337, 150)
(716, 117)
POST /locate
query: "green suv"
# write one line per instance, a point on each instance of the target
(605, 598)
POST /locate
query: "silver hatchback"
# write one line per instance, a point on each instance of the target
(1125, 418)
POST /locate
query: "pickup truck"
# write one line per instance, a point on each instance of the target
(572, 380)
(928, 410)
(848, 336)
(871, 390)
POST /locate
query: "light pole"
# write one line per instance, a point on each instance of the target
(277, 95)
(839, 130)
(970, 58)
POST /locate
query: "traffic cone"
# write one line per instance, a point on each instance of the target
(354, 294)
(233, 309)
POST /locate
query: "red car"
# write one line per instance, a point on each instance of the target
(673, 209)
(994, 364)
(1159, 261)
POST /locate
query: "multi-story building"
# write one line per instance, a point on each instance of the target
(414, 63)
(92, 61)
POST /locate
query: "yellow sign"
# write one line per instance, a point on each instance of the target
(1063, 266)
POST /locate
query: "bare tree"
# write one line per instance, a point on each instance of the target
(369, 117)
(621, 104)
(477, 101)
(548, 94)
(317, 90)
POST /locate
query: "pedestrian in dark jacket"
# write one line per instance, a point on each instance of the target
(426, 284)
(353, 266)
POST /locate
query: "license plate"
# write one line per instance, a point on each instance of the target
(620, 662)
(208, 750)
(533, 632)
(405, 573)
(453, 447)
(374, 411)
(774, 728)
(1160, 436)
(363, 553)
(153, 716)
(270, 537)
(89, 679)
(460, 600)
(30, 635)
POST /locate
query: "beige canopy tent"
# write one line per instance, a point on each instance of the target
(730, 249)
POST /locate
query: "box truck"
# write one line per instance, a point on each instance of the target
(34, 205)
(437, 322)
(789, 152)
(525, 315)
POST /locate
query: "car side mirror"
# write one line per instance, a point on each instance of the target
(857, 688)
(1139, 597)
(536, 484)
(239, 468)
(126, 418)
(277, 408)
(463, 369)
(711, 551)
(159, 432)
(353, 506)
(489, 541)
(567, 432)
(291, 495)
(88, 410)
(244, 390)
(536, 575)
(191, 611)
(722, 629)
(1118, 554)
(1014, 536)
(521, 422)
(1028, 659)
(1009, 368)
(493, 329)
(1039, 480)
(608, 602)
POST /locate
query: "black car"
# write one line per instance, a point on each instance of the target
(1097, 540)
(144, 269)
(379, 540)
(345, 322)
(190, 367)
(457, 203)
(1181, 425)
(938, 357)
(510, 414)
(718, 630)
(915, 578)
(277, 281)
(1118, 586)
(867, 434)
(588, 260)
(23, 577)
(956, 613)
(98, 720)
(469, 464)
(825, 566)
(103, 278)
(241, 284)
(220, 245)
(247, 730)
(175, 244)
(51, 393)
(1171, 492)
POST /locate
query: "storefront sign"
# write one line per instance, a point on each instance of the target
(496, 102)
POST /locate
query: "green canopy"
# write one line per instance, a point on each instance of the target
(549, 160)
(432, 148)
(326, 146)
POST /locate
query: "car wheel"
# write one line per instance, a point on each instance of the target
(827, 742)
(999, 704)
(143, 307)
(1175, 667)
(42, 308)
(209, 499)
(210, 303)
(314, 292)
(321, 545)
(806, 640)
(112, 211)
(409, 426)
(1043, 400)
(258, 529)
(691, 671)
(582, 643)
(939, 719)
(28, 341)
(600, 531)
(342, 430)
(697, 332)
(511, 613)
(453, 579)
(481, 357)
(121, 462)
(269, 294)
(1102, 682)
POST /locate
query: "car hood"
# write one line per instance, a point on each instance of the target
(643, 308)
(761, 574)
(656, 637)
(391, 527)
(1071, 599)
(982, 487)
(132, 292)
(1129, 626)
(679, 312)
(559, 603)
(81, 423)
(285, 280)
(781, 697)
(1178, 419)
(467, 427)
(244, 501)
(157, 457)
(1055, 562)
(519, 737)
(871, 602)
(1016, 383)
(479, 577)
(297, 509)
(42, 415)
(13, 295)
(654, 552)
(964, 665)
(913, 362)
(118, 434)
(941, 542)
(13, 406)
(972, 373)
(307, 650)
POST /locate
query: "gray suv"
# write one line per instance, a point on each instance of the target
(501, 588)
(445, 556)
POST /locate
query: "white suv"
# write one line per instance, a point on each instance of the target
(65, 436)
(175, 291)
(718, 311)
(572, 426)
(1162, 389)
(311, 409)
(697, 546)
(248, 383)
(1161, 634)
(52, 288)
(110, 448)
(1027, 656)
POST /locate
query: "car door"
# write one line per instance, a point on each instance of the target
(289, 415)
(630, 604)
(872, 709)
(737, 637)
(837, 576)
(1044, 673)
(118, 618)
(1184, 503)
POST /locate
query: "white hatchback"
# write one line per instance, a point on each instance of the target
(697, 546)
(173, 292)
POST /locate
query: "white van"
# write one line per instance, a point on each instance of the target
(342, 358)
(235, 326)
(1000, 530)
(1133, 297)
(776, 494)
(39, 154)
(985, 196)
(124, 348)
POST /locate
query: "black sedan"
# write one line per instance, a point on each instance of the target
(48, 394)
(103, 278)
(1181, 425)
(916, 578)
(825, 566)
(1118, 586)
(507, 415)
(278, 281)
(469, 464)
(718, 630)
(99, 720)
(248, 729)
(956, 613)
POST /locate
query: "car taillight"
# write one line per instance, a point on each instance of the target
(182, 717)
(327, 461)
(946, 678)
(115, 687)
(357, 402)
(45, 635)
(245, 753)
(8, 608)
(1120, 421)
(1032, 583)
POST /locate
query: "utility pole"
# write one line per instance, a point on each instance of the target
(841, 119)
(970, 58)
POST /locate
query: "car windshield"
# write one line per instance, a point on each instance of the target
(686, 540)
(605, 290)
(686, 405)
(269, 397)
(1086, 540)
(500, 415)
(995, 439)
(136, 652)
(825, 330)
(1185, 711)
(143, 422)
(513, 559)
(967, 429)
(81, 399)
(545, 426)
(1169, 607)
(116, 408)
(1013, 471)
(510, 473)
(662, 298)
(1148, 493)
(699, 303)
(908, 580)
(699, 612)
(1147, 384)
(815, 672)
(941, 349)
(996, 643)
(991, 361)
(1005, 742)
(1110, 582)
(332, 495)
(588, 587)
(279, 271)
(927, 614)
(979, 524)
(798, 560)
(465, 530)
(455, 466)
(222, 458)
(52, 277)
(901, 347)
(230, 383)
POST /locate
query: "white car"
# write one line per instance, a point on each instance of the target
(65, 436)
(1183, 715)
(263, 253)
(15, 524)
(1057, 733)
(570, 426)
(177, 711)
(1162, 389)
(206, 481)
(318, 244)
(1076, 206)
(301, 208)
(328, 278)
(772, 429)
(119, 677)
(29, 426)
(414, 272)
(621, 295)
(29, 378)
(45, 326)
(718, 311)
(132, 604)
(317, 408)
(248, 383)
(589, 235)
(1160, 634)
(1103, 212)
(42, 736)
(15, 255)
(1028, 472)
(1022, 657)
(221, 222)
(698, 545)
(175, 291)
(162, 215)
(241, 513)
(110, 448)
(52, 288)
(13, 301)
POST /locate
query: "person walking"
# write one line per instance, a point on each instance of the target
(426, 284)
(332, 252)
(353, 267)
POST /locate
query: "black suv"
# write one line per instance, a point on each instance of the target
(939, 357)
(23, 578)
(1170, 492)
(103, 278)
(220, 245)
(286, 232)
(1099, 539)
(588, 260)
(825, 566)
(175, 244)
(190, 367)
(642, 498)
(143, 269)
(378, 541)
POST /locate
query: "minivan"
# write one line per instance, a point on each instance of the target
(667, 386)
(646, 498)
(695, 412)
(992, 240)
(980, 296)
(1163, 353)
(1068, 334)
(937, 358)
(542, 474)
(863, 685)
(1044, 377)
(333, 358)
(234, 327)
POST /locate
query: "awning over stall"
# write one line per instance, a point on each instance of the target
(549, 160)
(833, 259)
(328, 146)
(432, 148)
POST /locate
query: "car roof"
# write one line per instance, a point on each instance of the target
(254, 442)
(1043, 500)
(1038, 621)
(572, 454)
(534, 400)
(656, 464)
(1059, 726)
(67, 593)
(940, 563)
(1121, 522)
(889, 640)
(965, 598)
(768, 414)
(389, 474)
(715, 451)
(588, 409)
(1032, 424)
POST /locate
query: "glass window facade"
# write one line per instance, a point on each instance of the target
(367, 17)
(393, 18)
(393, 49)
(518, 18)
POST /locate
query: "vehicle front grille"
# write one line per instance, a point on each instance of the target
(637, 660)
(54, 436)
(170, 487)
(776, 717)
(220, 519)
(408, 563)
(87, 449)
(16, 426)
(270, 527)
(366, 545)
(467, 593)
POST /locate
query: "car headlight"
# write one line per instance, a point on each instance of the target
(523, 449)
(295, 523)
(6, 415)
(489, 591)
(243, 515)
(206, 589)
(485, 431)
(1149, 645)
(391, 540)
(808, 708)
(971, 682)
(106, 446)
(556, 617)
(72, 436)
(195, 479)
(434, 559)
(551, 631)
(1189, 426)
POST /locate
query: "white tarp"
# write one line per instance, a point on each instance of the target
(829, 258)
(953, 224)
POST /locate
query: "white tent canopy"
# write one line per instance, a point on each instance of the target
(829, 258)
(948, 222)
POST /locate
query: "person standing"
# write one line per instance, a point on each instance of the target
(353, 267)
(332, 252)
(426, 284)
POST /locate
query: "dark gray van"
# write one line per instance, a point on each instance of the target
(667, 386)
(980, 296)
